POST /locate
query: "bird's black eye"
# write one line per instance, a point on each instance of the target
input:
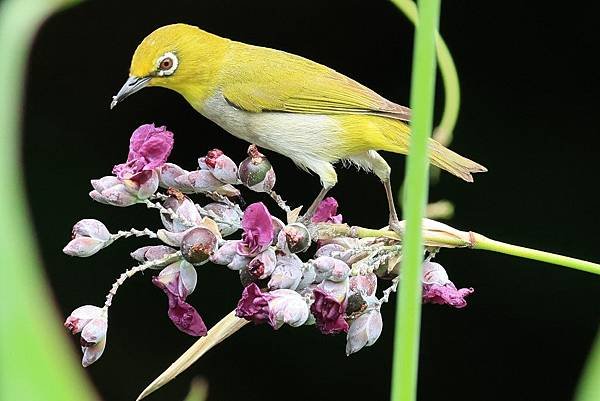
(166, 64)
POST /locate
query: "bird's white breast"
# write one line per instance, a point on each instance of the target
(307, 139)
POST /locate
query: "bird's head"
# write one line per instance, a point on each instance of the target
(180, 57)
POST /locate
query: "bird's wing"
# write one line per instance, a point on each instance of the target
(261, 79)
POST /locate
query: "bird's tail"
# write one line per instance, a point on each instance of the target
(452, 162)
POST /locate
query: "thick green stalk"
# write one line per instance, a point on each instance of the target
(36, 362)
(408, 310)
(589, 385)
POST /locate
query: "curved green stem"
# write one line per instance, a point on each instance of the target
(445, 129)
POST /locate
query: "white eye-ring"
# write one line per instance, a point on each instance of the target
(167, 64)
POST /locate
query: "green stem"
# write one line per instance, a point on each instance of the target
(408, 306)
(487, 244)
(449, 75)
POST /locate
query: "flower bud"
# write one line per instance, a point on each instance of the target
(168, 173)
(329, 312)
(152, 253)
(223, 168)
(224, 255)
(297, 237)
(91, 321)
(197, 245)
(239, 262)
(105, 182)
(185, 209)
(332, 250)
(200, 181)
(230, 220)
(276, 307)
(287, 273)
(364, 331)
(143, 185)
(330, 268)
(89, 236)
(111, 191)
(363, 284)
(256, 171)
(263, 264)
(277, 227)
(179, 278)
(434, 273)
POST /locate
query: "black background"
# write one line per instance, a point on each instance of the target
(529, 113)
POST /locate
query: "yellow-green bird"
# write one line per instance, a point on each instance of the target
(283, 102)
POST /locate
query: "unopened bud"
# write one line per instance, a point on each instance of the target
(263, 264)
(152, 253)
(297, 237)
(89, 236)
(223, 168)
(168, 173)
(364, 331)
(256, 171)
(330, 268)
(287, 273)
(224, 255)
(197, 245)
(229, 220)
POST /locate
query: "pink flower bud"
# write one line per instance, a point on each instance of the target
(168, 173)
(198, 244)
(223, 168)
(287, 273)
(200, 181)
(364, 331)
(171, 238)
(224, 255)
(114, 195)
(297, 237)
(256, 171)
(363, 284)
(332, 250)
(263, 264)
(277, 227)
(185, 209)
(330, 268)
(328, 312)
(89, 236)
(144, 185)
(239, 262)
(152, 253)
(276, 307)
(438, 289)
(92, 323)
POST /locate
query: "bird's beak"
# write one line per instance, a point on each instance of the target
(132, 85)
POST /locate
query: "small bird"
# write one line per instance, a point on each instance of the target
(283, 102)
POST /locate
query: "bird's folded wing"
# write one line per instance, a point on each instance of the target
(262, 79)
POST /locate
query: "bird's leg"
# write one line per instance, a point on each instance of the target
(313, 207)
(394, 222)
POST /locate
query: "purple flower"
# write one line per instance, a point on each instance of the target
(258, 230)
(92, 322)
(275, 307)
(328, 313)
(438, 289)
(326, 212)
(178, 280)
(149, 148)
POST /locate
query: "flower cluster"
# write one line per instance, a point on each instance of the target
(334, 289)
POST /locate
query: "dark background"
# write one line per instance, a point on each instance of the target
(529, 113)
